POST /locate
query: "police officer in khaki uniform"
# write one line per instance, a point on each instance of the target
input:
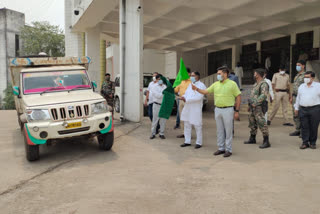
(281, 86)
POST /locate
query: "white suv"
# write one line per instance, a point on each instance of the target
(147, 78)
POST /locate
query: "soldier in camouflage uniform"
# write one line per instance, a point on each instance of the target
(298, 80)
(107, 90)
(257, 108)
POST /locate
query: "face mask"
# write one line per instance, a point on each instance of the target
(282, 72)
(193, 79)
(160, 82)
(219, 77)
(154, 79)
(298, 68)
(307, 80)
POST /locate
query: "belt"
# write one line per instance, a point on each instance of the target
(225, 107)
(281, 90)
(309, 107)
(157, 103)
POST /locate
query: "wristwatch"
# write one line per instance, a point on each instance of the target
(236, 111)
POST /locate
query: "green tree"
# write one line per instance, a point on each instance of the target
(9, 98)
(43, 37)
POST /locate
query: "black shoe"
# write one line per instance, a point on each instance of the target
(266, 143)
(288, 124)
(295, 133)
(227, 154)
(197, 146)
(162, 137)
(152, 137)
(268, 122)
(185, 145)
(304, 146)
(313, 146)
(252, 140)
(180, 136)
(219, 152)
(176, 127)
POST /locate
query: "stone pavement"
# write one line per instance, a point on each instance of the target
(143, 176)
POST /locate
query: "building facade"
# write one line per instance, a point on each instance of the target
(10, 43)
(206, 34)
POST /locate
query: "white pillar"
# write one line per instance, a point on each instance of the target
(259, 51)
(73, 41)
(293, 40)
(236, 52)
(131, 55)
(93, 51)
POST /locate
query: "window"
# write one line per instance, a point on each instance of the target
(17, 45)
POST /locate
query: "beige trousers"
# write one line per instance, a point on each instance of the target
(283, 99)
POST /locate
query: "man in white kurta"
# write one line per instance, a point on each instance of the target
(192, 111)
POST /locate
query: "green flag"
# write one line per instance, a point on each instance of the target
(182, 75)
(167, 100)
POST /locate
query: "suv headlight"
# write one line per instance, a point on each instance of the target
(99, 108)
(38, 115)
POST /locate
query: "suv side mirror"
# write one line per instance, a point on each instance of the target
(16, 91)
(94, 84)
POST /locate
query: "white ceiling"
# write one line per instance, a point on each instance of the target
(184, 25)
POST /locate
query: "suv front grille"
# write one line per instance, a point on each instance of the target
(70, 131)
(69, 112)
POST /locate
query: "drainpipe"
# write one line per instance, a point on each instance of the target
(122, 55)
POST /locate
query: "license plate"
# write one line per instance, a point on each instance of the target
(73, 125)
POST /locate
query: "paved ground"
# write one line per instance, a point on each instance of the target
(142, 176)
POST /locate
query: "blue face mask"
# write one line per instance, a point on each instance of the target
(160, 82)
(298, 68)
(193, 79)
(219, 77)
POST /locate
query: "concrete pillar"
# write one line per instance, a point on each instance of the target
(103, 60)
(131, 56)
(259, 51)
(316, 37)
(93, 51)
(293, 40)
(236, 52)
(73, 41)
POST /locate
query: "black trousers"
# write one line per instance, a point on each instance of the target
(310, 118)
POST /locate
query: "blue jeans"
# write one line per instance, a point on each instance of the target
(178, 114)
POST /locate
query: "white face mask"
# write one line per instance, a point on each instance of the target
(282, 72)
(154, 79)
(307, 80)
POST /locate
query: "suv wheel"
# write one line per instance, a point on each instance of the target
(32, 152)
(117, 105)
(106, 141)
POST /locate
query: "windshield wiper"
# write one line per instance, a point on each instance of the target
(78, 87)
(52, 89)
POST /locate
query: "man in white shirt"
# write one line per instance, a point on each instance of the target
(149, 101)
(307, 106)
(156, 93)
(239, 72)
(192, 111)
(271, 95)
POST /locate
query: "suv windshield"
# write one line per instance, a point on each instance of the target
(146, 81)
(51, 81)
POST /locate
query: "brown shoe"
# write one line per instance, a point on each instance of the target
(180, 136)
(219, 152)
(304, 146)
(227, 154)
(313, 147)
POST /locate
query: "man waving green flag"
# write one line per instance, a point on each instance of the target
(182, 75)
(167, 101)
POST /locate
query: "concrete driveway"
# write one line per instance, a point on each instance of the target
(143, 176)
